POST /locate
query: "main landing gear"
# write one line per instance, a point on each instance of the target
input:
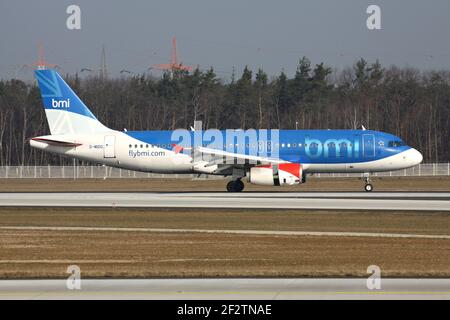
(368, 186)
(235, 186)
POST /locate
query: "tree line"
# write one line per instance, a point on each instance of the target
(407, 102)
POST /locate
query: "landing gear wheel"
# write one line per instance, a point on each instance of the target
(230, 186)
(235, 186)
(368, 187)
(239, 185)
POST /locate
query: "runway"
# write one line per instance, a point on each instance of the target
(415, 201)
(225, 289)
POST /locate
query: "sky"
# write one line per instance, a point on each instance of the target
(272, 35)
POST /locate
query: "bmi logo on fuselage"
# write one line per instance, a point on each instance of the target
(61, 103)
(315, 148)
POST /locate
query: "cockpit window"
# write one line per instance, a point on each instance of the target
(398, 143)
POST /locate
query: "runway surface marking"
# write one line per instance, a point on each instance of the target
(230, 288)
(246, 232)
(325, 201)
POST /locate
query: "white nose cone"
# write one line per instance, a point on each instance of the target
(415, 156)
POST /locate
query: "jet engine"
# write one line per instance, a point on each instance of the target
(276, 174)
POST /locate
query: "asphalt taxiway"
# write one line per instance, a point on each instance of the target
(224, 289)
(415, 201)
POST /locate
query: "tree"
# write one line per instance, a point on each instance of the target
(412, 104)
(282, 98)
(261, 87)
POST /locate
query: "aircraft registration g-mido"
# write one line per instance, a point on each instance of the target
(265, 157)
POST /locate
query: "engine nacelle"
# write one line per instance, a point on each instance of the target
(276, 174)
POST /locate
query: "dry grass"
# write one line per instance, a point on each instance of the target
(46, 254)
(289, 220)
(205, 255)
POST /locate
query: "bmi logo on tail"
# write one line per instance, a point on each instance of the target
(61, 103)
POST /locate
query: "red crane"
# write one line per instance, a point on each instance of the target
(174, 64)
(41, 63)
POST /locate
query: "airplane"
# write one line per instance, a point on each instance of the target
(289, 155)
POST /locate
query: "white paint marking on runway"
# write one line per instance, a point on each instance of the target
(246, 232)
(226, 200)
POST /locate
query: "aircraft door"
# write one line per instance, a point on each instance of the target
(368, 145)
(109, 147)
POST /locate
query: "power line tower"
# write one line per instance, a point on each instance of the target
(103, 69)
(174, 65)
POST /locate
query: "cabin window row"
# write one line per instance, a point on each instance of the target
(283, 145)
(141, 146)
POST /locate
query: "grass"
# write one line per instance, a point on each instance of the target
(100, 254)
(40, 254)
(233, 219)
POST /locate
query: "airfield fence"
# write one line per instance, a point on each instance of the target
(104, 172)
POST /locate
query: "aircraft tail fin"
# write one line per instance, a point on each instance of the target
(65, 112)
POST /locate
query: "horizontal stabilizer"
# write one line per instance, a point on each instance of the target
(57, 142)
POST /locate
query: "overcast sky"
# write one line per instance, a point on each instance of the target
(272, 34)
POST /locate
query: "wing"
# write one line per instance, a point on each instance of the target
(218, 156)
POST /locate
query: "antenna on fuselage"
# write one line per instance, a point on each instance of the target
(363, 128)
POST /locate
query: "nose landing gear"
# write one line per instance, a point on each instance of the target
(235, 186)
(368, 186)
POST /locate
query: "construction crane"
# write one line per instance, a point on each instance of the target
(174, 64)
(41, 63)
